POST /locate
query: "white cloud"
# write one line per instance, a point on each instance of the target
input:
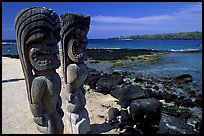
(118, 27)
(187, 19)
(129, 20)
(192, 12)
(197, 7)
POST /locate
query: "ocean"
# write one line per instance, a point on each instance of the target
(9, 46)
(172, 64)
(147, 44)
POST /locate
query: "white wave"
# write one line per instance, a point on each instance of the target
(105, 48)
(185, 50)
(125, 39)
(8, 43)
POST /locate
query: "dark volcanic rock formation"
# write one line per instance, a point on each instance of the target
(139, 108)
(128, 93)
(105, 84)
(173, 125)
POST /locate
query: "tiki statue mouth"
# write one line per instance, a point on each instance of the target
(77, 50)
(44, 58)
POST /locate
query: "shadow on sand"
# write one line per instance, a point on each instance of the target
(12, 80)
(102, 128)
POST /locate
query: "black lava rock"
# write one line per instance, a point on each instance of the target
(131, 130)
(105, 84)
(178, 100)
(199, 100)
(139, 108)
(139, 79)
(198, 126)
(128, 93)
(177, 112)
(187, 103)
(92, 78)
(170, 97)
(126, 118)
(173, 125)
(156, 94)
(113, 113)
(185, 78)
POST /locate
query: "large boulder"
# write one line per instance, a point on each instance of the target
(199, 127)
(188, 103)
(139, 108)
(113, 113)
(128, 93)
(170, 97)
(199, 100)
(173, 125)
(156, 94)
(178, 100)
(126, 118)
(92, 78)
(105, 84)
(150, 123)
(185, 78)
(182, 113)
(139, 79)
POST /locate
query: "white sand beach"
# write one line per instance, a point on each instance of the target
(17, 117)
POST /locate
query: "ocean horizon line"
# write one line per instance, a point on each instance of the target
(123, 39)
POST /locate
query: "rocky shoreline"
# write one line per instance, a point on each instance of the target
(149, 105)
(114, 54)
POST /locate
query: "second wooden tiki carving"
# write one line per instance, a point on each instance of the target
(74, 29)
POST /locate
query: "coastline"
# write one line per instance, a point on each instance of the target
(113, 54)
(16, 113)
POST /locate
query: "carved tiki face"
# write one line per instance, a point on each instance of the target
(37, 34)
(43, 52)
(77, 45)
(37, 31)
(74, 39)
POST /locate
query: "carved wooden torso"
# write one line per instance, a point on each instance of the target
(77, 74)
(50, 89)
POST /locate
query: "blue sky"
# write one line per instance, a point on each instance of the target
(114, 19)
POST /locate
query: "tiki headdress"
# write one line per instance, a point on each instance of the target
(31, 25)
(70, 22)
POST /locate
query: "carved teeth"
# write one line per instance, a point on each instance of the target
(45, 61)
(80, 52)
(80, 55)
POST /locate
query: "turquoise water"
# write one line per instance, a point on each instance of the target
(9, 46)
(175, 64)
(147, 44)
(170, 65)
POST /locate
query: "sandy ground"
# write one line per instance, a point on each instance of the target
(17, 117)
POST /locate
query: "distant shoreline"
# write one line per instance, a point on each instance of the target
(165, 36)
